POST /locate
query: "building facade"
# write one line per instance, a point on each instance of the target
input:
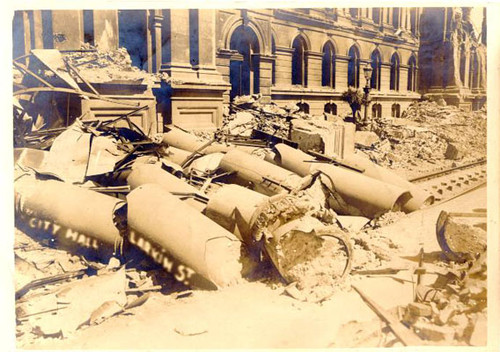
(306, 57)
(453, 57)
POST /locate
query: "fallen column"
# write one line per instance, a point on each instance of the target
(419, 198)
(153, 173)
(195, 249)
(73, 216)
(258, 174)
(364, 195)
(180, 139)
(282, 224)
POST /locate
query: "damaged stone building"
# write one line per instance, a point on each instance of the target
(306, 57)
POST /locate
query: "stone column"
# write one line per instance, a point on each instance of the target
(385, 76)
(157, 28)
(314, 67)
(179, 65)
(38, 29)
(283, 66)
(27, 32)
(67, 28)
(403, 78)
(404, 16)
(342, 63)
(265, 73)
(106, 29)
(206, 50)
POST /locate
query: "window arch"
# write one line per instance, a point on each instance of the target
(394, 79)
(353, 68)
(299, 61)
(377, 110)
(328, 66)
(331, 108)
(303, 107)
(396, 110)
(412, 74)
(376, 63)
(244, 69)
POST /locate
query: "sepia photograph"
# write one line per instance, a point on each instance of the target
(250, 177)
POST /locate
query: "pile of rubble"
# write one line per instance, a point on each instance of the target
(428, 136)
(112, 66)
(275, 195)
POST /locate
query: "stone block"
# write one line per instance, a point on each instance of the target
(366, 138)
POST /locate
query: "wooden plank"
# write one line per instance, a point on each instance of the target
(407, 336)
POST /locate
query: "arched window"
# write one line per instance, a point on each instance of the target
(299, 62)
(353, 68)
(394, 79)
(396, 110)
(331, 108)
(328, 66)
(244, 69)
(412, 74)
(377, 110)
(303, 107)
(376, 64)
(376, 15)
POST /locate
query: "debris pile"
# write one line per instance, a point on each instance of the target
(427, 136)
(112, 66)
(453, 309)
(275, 195)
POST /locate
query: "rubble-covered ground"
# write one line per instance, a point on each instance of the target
(90, 303)
(429, 137)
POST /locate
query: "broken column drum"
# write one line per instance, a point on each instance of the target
(77, 216)
(195, 249)
(281, 224)
(364, 195)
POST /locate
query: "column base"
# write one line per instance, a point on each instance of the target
(195, 106)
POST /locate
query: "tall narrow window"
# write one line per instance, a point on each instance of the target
(463, 62)
(396, 110)
(396, 12)
(474, 70)
(354, 12)
(273, 52)
(328, 66)
(413, 21)
(412, 74)
(376, 64)
(394, 78)
(376, 15)
(331, 108)
(353, 68)
(299, 62)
